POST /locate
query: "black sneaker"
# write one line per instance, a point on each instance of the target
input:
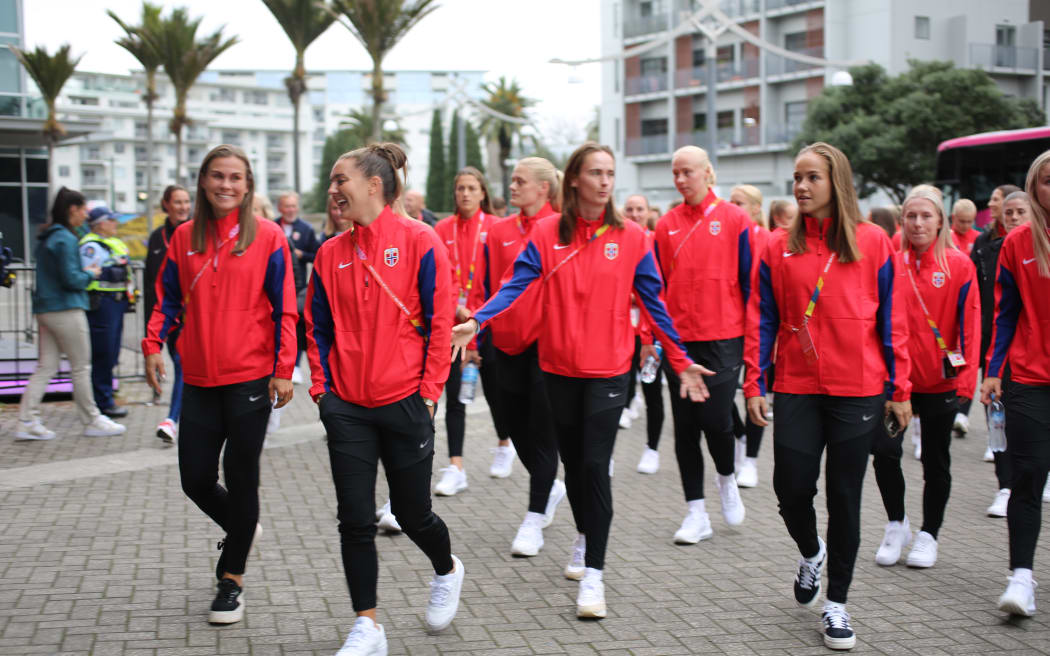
(807, 580)
(115, 412)
(228, 606)
(838, 634)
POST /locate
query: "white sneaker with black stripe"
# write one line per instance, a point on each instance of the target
(807, 579)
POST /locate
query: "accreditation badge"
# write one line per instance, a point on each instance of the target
(805, 340)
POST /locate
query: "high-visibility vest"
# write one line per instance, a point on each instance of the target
(104, 252)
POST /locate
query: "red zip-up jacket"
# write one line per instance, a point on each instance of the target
(859, 325)
(362, 346)
(586, 329)
(237, 311)
(519, 327)
(965, 242)
(953, 299)
(464, 239)
(1021, 331)
(708, 274)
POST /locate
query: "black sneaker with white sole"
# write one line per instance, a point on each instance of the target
(838, 634)
(228, 606)
(807, 580)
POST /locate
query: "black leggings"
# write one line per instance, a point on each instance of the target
(586, 417)
(456, 412)
(937, 413)
(401, 434)
(713, 419)
(1028, 447)
(234, 415)
(523, 395)
(806, 425)
(749, 429)
(652, 393)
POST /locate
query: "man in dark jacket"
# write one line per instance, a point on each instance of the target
(415, 208)
(300, 232)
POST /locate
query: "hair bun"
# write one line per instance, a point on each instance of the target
(392, 153)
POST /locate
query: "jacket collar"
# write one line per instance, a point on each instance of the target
(695, 212)
(527, 221)
(367, 235)
(816, 227)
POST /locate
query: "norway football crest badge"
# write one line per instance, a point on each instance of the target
(612, 249)
(938, 279)
(715, 227)
(390, 256)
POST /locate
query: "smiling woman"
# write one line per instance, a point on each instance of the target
(227, 286)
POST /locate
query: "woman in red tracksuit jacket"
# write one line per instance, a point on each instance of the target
(227, 284)
(827, 295)
(378, 313)
(704, 249)
(940, 286)
(586, 263)
(465, 234)
(534, 189)
(1022, 314)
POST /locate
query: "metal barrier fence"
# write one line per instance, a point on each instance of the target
(18, 334)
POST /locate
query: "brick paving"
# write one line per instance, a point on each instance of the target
(121, 562)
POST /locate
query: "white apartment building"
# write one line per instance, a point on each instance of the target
(249, 109)
(656, 102)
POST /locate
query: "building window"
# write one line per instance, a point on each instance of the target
(256, 97)
(122, 197)
(654, 127)
(231, 137)
(922, 27)
(647, 8)
(795, 42)
(794, 118)
(63, 171)
(1005, 40)
(118, 147)
(654, 66)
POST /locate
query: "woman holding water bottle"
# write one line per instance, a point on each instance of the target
(1022, 313)
(586, 342)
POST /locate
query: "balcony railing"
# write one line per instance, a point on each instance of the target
(732, 8)
(777, 65)
(638, 25)
(652, 145)
(987, 55)
(724, 72)
(725, 138)
(1046, 59)
(777, 4)
(782, 133)
(645, 84)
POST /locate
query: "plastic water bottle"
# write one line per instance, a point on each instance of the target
(996, 426)
(468, 383)
(651, 366)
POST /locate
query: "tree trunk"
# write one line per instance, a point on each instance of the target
(296, 87)
(149, 164)
(50, 171)
(178, 157)
(377, 99)
(504, 155)
(295, 141)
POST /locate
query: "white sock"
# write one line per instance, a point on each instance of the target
(834, 605)
(752, 460)
(724, 480)
(1022, 574)
(537, 518)
(696, 506)
(591, 573)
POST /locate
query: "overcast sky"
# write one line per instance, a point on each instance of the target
(515, 39)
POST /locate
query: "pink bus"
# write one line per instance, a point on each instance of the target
(972, 167)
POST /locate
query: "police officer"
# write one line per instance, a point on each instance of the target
(107, 302)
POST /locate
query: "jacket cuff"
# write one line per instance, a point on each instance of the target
(283, 371)
(150, 347)
(430, 391)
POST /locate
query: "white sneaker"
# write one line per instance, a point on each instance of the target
(444, 598)
(924, 552)
(33, 430)
(529, 539)
(916, 436)
(834, 623)
(695, 527)
(747, 473)
(590, 602)
(382, 510)
(1019, 598)
(574, 570)
(502, 461)
(555, 497)
(453, 480)
(732, 504)
(366, 639)
(168, 431)
(103, 426)
(896, 537)
(650, 462)
(988, 455)
(612, 467)
(273, 424)
(739, 451)
(297, 376)
(1046, 491)
(962, 423)
(387, 522)
(998, 507)
(625, 419)
(634, 408)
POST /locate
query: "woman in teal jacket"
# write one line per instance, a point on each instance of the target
(59, 303)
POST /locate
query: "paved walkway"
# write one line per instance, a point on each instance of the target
(101, 553)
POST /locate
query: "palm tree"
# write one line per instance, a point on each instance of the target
(303, 21)
(141, 50)
(379, 25)
(184, 58)
(504, 97)
(50, 72)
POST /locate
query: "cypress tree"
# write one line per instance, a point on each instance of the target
(436, 173)
(452, 163)
(474, 148)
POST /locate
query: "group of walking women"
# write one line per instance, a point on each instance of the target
(542, 301)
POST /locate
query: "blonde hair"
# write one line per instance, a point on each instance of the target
(705, 161)
(964, 205)
(943, 242)
(1040, 241)
(543, 171)
(845, 212)
(265, 207)
(755, 196)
